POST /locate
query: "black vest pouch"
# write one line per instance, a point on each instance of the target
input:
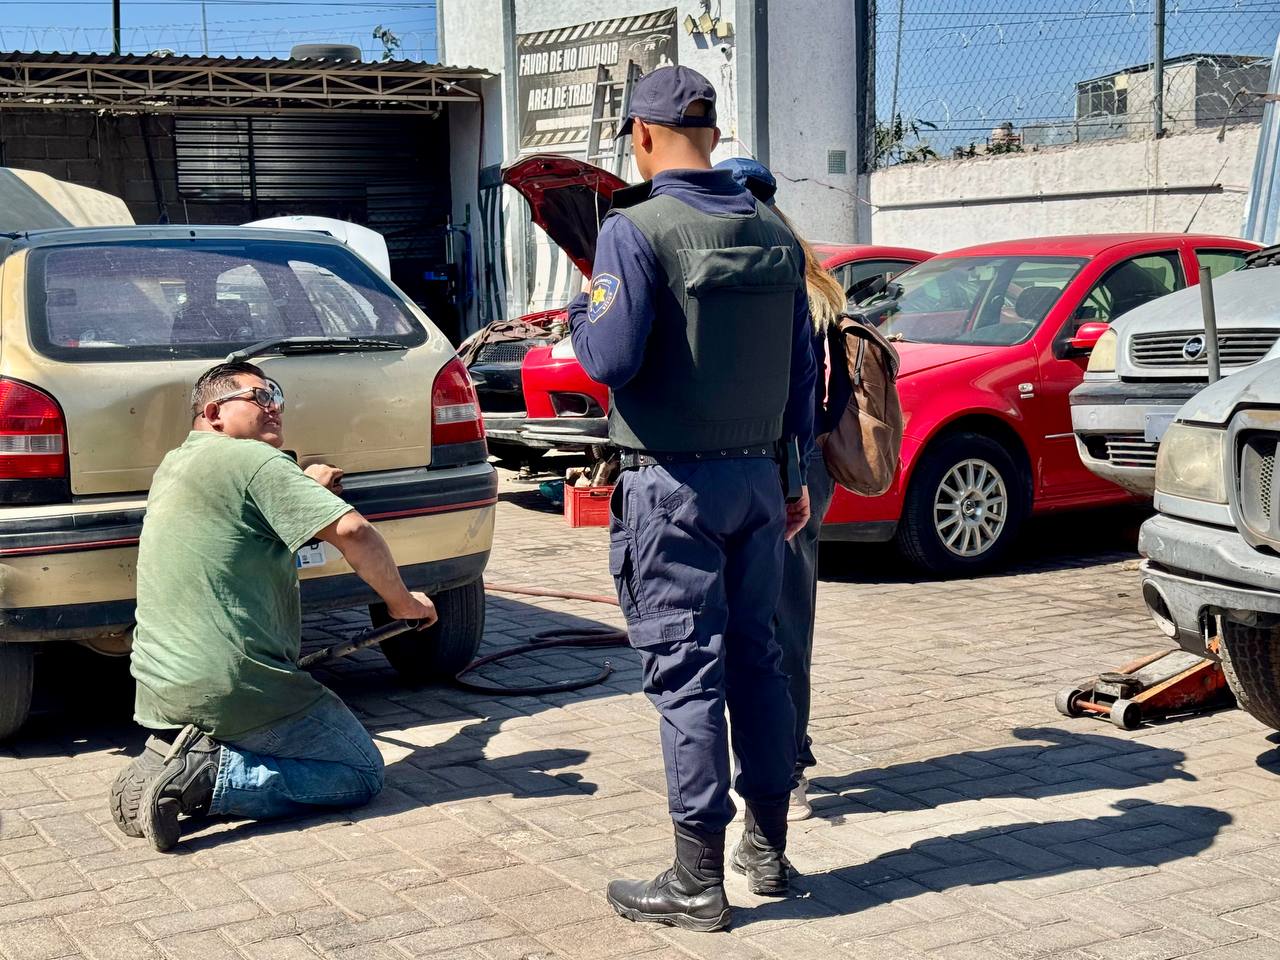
(734, 300)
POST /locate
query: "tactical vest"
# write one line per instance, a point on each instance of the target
(717, 377)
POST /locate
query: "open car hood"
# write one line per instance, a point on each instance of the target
(568, 198)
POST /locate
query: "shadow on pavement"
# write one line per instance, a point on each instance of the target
(1140, 836)
(435, 736)
(1071, 539)
(1067, 763)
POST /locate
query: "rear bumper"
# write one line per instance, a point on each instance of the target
(509, 428)
(567, 431)
(70, 575)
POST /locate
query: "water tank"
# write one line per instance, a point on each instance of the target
(325, 51)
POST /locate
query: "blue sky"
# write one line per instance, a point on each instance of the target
(235, 27)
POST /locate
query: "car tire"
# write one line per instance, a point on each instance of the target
(439, 652)
(968, 464)
(1251, 661)
(515, 453)
(17, 677)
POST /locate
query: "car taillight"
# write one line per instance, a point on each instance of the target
(32, 434)
(455, 411)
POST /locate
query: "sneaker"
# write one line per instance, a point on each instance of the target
(800, 808)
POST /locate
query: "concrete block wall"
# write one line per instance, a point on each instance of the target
(1116, 186)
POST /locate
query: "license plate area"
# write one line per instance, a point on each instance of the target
(1156, 423)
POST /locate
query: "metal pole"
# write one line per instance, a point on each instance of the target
(1210, 324)
(1157, 70)
(204, 26)
(115, 28)
(897, 64)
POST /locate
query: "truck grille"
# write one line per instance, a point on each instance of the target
(1257, 486)
(1130, 450)
(507, 351)
(1236, 348)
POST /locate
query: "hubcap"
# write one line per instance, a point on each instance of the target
(970, 508)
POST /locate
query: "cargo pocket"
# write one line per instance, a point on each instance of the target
(622, 568)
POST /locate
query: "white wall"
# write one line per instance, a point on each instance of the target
(812, 109)
(947, 204)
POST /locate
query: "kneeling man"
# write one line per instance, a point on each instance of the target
(219, 624)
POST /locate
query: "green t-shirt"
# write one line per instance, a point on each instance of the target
(219, 618)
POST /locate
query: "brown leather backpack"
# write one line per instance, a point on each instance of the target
(862, 451)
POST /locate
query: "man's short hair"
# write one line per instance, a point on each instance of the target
(218, 381)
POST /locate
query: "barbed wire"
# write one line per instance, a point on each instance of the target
(414, 44)
(955, 77)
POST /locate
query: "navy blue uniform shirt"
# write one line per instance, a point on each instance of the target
(611, 346)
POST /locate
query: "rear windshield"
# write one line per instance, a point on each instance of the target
(204, 298)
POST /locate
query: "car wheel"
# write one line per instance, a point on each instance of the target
(439, 652)
(17, 676)
(515, 452)
(1251, 661)
(966, 501)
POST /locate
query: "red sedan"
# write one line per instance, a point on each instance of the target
(992, 339)
(553, 403)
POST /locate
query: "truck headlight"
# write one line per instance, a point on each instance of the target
(1192, 463)
(1103, 357)
(563, 350)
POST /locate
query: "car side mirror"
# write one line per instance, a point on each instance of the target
(869, 287)
(1085, 339)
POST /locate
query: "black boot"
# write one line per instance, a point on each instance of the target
(760, 854)
(183, 786)
(126, 790)
(690, 894)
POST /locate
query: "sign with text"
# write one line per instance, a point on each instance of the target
(556, 72)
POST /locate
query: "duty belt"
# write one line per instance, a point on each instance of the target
(634, 459)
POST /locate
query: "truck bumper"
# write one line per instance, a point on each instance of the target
(1194, 572)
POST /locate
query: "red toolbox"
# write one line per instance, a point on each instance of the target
(587, 506)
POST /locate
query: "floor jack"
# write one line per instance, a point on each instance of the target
(1166, 683)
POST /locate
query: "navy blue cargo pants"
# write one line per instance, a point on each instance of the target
(696, 554)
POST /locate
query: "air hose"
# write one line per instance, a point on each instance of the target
(587, 638)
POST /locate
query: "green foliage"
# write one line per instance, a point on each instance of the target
(390, 42)
(899, 141)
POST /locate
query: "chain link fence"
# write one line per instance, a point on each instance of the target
(956, 78)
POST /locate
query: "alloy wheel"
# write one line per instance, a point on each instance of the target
(970, 508)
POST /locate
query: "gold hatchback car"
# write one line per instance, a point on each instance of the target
(102, 332)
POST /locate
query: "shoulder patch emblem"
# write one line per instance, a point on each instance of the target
(604, 290)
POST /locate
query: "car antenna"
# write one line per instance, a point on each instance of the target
(1187, 228)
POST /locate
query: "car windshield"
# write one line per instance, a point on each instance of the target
(987, 301)
(161, 299)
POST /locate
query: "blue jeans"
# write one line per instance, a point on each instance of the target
(322, 758)
(793, 619)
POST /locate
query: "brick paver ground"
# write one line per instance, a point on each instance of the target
(959, 817)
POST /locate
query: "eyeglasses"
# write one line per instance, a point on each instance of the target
(265, 397)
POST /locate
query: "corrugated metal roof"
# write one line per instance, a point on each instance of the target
(125, 61)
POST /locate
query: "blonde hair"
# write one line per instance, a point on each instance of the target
(826, 296)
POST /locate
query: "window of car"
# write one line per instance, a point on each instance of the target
(1130, 284)
(988, 301)
(1221, 261)
(859, 279)
(204, 298)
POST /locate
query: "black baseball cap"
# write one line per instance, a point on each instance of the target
(663, 95)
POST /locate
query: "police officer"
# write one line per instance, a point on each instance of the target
(697, 320)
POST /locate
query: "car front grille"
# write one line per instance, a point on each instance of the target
(1236, 348)
(1256, 490)
(506, 351)
(1131, 450)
